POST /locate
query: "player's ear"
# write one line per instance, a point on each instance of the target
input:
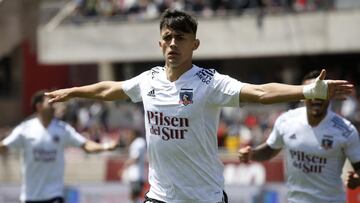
(37, 106)
(196, 44)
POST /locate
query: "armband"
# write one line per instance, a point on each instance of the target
(316, 90)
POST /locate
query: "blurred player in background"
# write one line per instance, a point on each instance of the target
(42, 140)
(134, 166)
(316, 142)
(182, 104)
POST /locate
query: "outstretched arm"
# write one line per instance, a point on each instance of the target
(262, 152)
(106, 90)
(93, 147)
(276, 92)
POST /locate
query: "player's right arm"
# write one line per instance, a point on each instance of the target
(106, 90)
(14, 140)
(92, 147)
(262, 152)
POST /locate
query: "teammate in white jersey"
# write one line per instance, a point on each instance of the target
(134, 166)
(42, 140)
(182, 105)
(316, 142)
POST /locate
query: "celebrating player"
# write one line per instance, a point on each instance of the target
(316, 142)
(182, 104)
(42, 140)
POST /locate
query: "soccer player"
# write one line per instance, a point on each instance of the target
(134, 166)
(316, 142)
(182, 104)
(42, 140)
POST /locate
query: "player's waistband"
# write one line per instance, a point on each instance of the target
(150, 200)
(52, 200)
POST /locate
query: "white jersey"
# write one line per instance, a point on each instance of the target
(181, 121)
(137, 151)
(315, 155)
(42, 156)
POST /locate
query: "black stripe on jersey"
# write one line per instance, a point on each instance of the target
(186, 89)
(154, 72)
(342, 126)
(205, 75)
(209, 71)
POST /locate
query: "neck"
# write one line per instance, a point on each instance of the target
(313, 120)
(44, 119)
(173, 73)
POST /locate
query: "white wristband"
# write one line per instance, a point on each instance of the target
(316, 90)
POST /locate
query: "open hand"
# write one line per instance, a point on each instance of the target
(60, 95)
(336, 89)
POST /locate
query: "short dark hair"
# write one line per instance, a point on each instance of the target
(178, 21)
(311, 75)
(38, 97)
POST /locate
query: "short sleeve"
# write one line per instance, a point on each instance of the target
(15, 139)
(137, 149)
(352, 149)
(73, 138)
(132, 87)
(275, 139)
(225, 91)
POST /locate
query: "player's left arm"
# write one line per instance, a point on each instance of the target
(270, 93)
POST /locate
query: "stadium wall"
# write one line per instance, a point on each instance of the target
(243, 36)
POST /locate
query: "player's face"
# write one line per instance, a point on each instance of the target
(316, 107)
(46, 107)
(177, 47)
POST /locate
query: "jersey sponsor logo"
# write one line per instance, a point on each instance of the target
(167, 127)
(327, 142)
(206, 75)
(342, 126)
(292, 137)
(44, 155)
(307, 163)
(151, 93)
(186, 96)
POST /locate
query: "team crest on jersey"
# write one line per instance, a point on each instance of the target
(327, 142)
(56, 139)
(186, 96)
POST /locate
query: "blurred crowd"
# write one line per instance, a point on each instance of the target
(101, 121)
(149, 9)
